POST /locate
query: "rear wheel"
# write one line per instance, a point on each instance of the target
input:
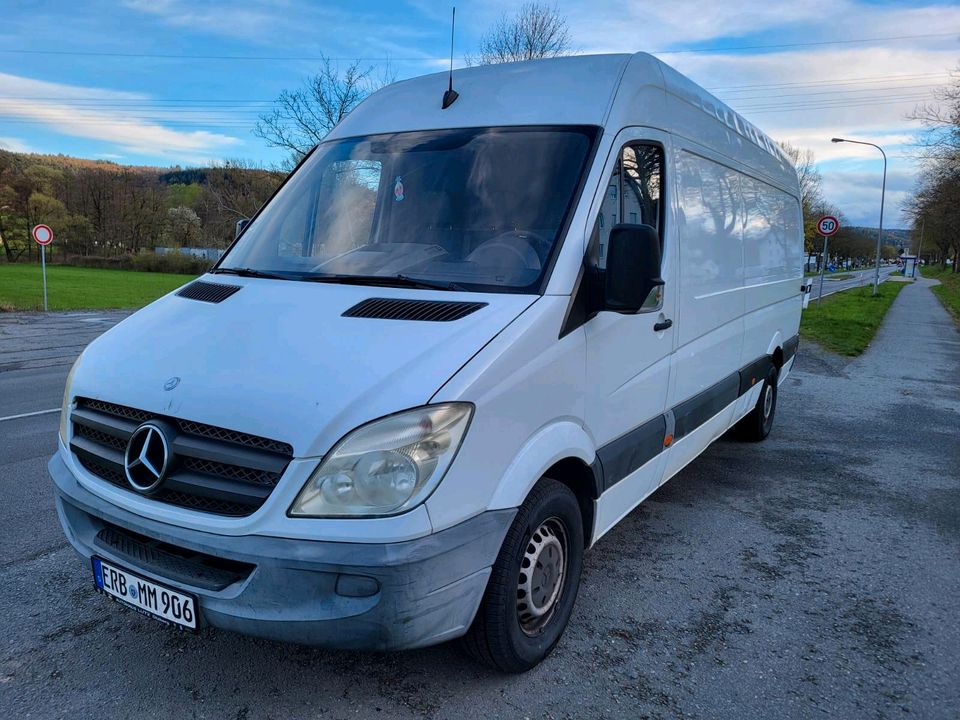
(756, 425)
(534, 582)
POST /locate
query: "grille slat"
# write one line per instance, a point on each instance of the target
(207, 291)
(213, 469)
(418, 310)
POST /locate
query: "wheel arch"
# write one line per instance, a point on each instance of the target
(563, 452)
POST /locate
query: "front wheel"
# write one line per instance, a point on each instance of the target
(533, 584)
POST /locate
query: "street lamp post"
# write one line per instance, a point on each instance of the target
(883, 192)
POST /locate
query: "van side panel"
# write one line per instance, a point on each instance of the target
(711, 305)
(773, 258)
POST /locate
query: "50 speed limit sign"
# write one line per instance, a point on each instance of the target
(827, 225)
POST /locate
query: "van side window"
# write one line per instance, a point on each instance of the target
(632, 196)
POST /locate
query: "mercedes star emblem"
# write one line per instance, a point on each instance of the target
(147, 457)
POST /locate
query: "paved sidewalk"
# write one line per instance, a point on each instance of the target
(917, 345)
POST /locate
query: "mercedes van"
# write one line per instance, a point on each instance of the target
(461, 342)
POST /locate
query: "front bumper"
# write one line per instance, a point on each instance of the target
(341, 595)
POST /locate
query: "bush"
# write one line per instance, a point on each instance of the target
(145, 262)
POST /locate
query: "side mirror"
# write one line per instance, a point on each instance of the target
(241, 224)
(633, 267)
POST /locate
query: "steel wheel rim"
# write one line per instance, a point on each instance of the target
(767, 401)
(543, 574)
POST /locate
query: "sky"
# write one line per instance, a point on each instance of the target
(181, 82)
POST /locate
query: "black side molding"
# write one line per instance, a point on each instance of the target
(692, 413)
(631, 451)
(755, 372)
(790, 347)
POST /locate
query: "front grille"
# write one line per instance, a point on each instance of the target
(104, 470)
(102, 438)
(218, 433)
(172, 561)
(212, 469)
(234, 472)
(123, 411)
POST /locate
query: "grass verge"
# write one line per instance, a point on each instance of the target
(847, 321)
(948, 291)
(74, 288)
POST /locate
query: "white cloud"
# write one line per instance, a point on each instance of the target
(860, 194)
(232, 19)
(290, 24)
(67, 109)
(617, 26)
(14, 145)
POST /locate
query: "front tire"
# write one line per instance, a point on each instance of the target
(533, 584)
(757, 424)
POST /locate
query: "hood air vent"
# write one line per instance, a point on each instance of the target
(425, 310)
(208, 292)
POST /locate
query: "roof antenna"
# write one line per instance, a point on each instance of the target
(451, 95)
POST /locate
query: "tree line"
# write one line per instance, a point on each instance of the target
(102, 209)
(935, 207)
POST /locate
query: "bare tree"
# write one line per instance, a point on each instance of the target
(304, 116)
(811, 194)
(536, 31)
(941, 120)
(936, 203)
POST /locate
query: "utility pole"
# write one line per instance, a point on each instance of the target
(923, 222)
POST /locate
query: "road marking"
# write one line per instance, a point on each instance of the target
(30, 414)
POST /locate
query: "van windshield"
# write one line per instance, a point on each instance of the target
(479, 209)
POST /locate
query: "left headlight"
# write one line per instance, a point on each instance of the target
(387, 466)
(65, 407)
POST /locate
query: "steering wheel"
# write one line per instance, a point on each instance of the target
(520, 244)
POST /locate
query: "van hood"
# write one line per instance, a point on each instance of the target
(278, 359)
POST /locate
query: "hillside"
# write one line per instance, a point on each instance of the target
(102, 208)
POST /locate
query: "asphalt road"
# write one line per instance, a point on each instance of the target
(815, 574)
(860, 278)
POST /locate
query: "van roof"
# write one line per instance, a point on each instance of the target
(612, 91)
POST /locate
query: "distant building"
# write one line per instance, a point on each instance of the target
(205, 253)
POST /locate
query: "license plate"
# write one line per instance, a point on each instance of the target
(145, 596)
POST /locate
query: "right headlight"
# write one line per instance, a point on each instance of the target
(386, 467)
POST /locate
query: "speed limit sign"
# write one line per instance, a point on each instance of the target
(827, 225)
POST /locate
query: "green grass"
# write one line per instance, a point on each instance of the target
(840, 276)
(847, 321)
(948, 291)
(74, 288)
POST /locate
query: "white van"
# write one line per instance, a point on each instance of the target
(454, 349)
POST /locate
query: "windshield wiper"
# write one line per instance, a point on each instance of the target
(431, 284)
(250, 272)
(385, 281)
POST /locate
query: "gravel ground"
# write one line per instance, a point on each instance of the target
(815, 574)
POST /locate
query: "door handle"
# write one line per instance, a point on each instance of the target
(662, 325)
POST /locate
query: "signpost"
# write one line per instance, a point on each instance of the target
(826, 226)
(43, 236)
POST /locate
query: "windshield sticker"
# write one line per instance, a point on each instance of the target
(398, 189)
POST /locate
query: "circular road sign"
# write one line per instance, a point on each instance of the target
(827, 225)
(42, 234)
